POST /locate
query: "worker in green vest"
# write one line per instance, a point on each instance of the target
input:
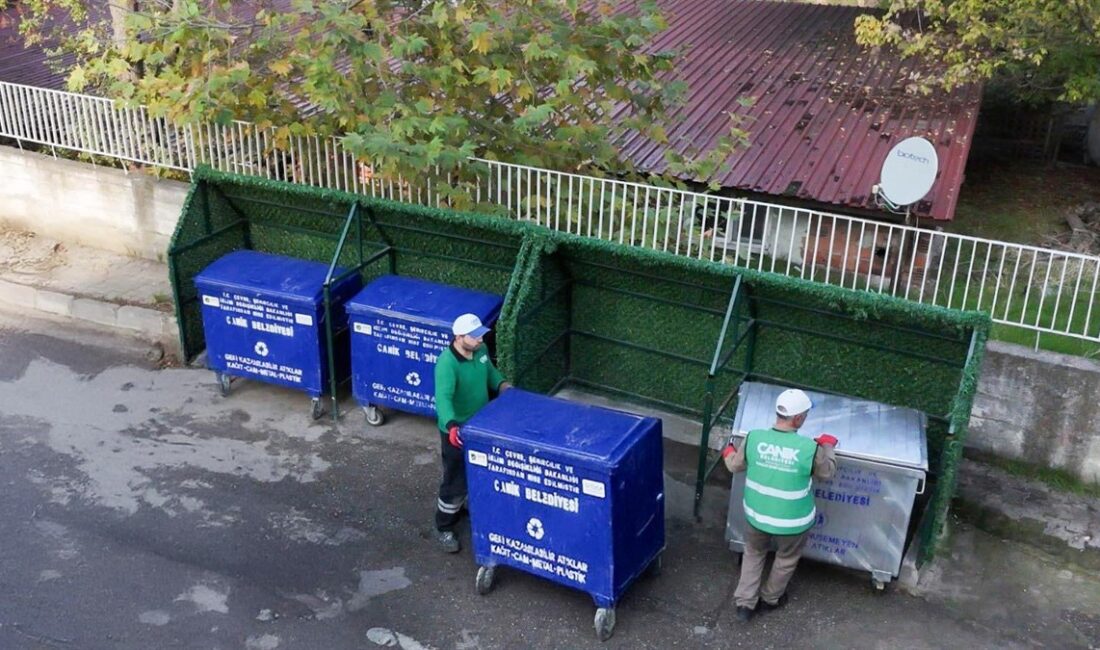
(779, 503)
(465, 379)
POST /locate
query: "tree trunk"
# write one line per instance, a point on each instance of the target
(1092, 137)
(120, 10)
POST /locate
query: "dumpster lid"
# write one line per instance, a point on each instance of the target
(867, 430)
(569, 428)
(289, 278)
(425, 302)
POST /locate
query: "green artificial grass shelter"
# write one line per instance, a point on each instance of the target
(645, 326)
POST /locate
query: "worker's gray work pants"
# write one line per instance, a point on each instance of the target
(787, 553)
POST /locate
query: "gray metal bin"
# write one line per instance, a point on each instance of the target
(862, 512)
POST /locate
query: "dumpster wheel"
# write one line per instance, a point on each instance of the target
(374, 415)
(223, 383)
(484, 580)
(605, 623)
(316, 410)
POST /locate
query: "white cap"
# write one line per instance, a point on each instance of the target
(792, 402)
(469, 325)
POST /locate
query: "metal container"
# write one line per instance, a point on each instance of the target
(263, 318)
(863, 511)
(569, 492)
(399, 327)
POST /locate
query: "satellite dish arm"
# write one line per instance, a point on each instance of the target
(883, 202)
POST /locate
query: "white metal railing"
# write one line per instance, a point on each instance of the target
(1038, 289)
(99, 127)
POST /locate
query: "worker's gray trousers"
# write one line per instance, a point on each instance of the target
(787, 553)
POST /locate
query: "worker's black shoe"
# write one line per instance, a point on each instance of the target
(744, 614)
(776, 605)
(449, 541)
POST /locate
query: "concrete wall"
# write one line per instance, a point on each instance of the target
(107, 208)
(1039, 407)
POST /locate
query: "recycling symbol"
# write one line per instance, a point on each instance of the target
(535, 529)
(261, 348)
(412, 379)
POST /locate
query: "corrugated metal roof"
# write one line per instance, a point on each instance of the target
(825, 111)
(22, 65)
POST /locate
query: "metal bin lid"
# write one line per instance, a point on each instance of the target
(289, 278)
(428, 303)
(866, 430)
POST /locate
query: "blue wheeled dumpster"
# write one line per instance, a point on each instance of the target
(264, 318)
(399, 326)
(569, 492)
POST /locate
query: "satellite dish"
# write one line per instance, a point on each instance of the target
(908, 172)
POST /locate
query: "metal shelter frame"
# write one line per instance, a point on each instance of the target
(738, 329)
(386, 249)
(741, 295)
(353, 232)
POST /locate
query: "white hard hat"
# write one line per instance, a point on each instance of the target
(792, 402)
(469, 325)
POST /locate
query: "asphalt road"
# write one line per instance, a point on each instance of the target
(143, 510)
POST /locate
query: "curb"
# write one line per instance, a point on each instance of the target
(1024, 510)
(1031, 531)
(149, 324)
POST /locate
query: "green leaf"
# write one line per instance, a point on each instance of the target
(374, 52)
(280, 67)
(77, 79)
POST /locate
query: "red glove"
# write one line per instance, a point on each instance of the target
(452, 436)
(826, 439)
(728, 451)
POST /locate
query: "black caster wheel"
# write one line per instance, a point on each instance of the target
(223, 383)
(605, 623)
(374, 415)
(484, 581)
(316, 410)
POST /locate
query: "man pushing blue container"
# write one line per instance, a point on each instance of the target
(569, 492)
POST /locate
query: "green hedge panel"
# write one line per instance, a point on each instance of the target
(535, 322)
(468, 250)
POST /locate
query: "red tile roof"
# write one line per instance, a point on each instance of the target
(825, 111)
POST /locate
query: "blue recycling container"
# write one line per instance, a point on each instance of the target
(569, 492)
(399, 326)
(263, 317)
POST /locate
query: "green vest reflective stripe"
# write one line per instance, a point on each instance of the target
(778, 498)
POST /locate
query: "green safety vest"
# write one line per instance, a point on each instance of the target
(778, 498)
